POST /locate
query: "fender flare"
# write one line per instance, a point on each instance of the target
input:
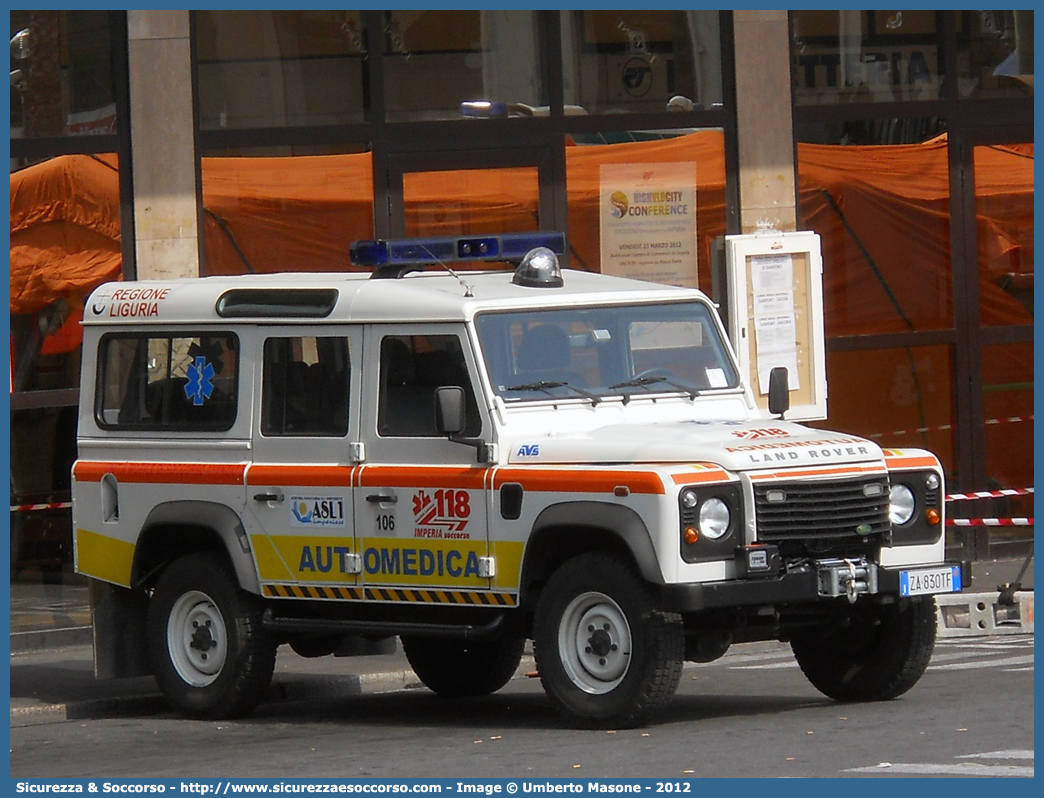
(223, 521)
(623, 523)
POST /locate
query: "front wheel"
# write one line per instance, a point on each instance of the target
(607, 656)
(211, 656)
(463, 668)
(872, 653)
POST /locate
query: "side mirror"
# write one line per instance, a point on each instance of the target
(779, 391)
(450, 417)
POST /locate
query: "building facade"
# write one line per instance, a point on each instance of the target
(181, 144)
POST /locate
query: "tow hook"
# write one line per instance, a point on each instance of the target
(848, 578)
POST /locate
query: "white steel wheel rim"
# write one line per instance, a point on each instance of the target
(196, 638)
(594, 643)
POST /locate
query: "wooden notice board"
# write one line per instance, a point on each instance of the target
(775, 298)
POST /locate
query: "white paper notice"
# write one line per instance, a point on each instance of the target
(776, 338)
(773, 302)
(772, 273)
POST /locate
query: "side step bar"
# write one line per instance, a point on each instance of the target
(379, 628)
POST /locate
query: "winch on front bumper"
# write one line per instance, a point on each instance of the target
(819, 580)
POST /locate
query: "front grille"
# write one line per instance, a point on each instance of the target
(821, 516)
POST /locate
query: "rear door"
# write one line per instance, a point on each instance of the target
(299, 485)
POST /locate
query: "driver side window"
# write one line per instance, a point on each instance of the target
(412, 368)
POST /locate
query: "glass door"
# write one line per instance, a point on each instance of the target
(997, 279)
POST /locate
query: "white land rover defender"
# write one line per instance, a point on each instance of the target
(470, 461)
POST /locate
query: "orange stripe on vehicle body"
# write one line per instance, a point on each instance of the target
(707, 473)
(840, 471)
(896, 459)
(422, 477)
(304, 475)
(160, 473)
(567, 480)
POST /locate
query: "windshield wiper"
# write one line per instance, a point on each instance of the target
(641, 382)
(545, 385)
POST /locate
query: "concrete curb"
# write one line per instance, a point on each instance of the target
(41, 640)
(284, 689)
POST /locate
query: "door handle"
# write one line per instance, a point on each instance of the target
(268, 497)
(380, 498)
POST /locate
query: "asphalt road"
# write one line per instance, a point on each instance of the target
(749, 714)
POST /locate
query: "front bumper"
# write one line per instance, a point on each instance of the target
(797, 586)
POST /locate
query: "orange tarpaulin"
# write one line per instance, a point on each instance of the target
(65, 229)
(883, 214)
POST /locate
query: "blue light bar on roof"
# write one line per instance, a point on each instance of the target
(417, 251)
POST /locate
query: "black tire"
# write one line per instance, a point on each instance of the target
(878, 652)
(463, 668)
(209, 653)
(607, 656)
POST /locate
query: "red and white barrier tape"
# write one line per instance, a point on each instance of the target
(990, 522)
(944, 427)
(989, 494)
(29, 508)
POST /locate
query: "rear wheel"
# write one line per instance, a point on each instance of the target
(607, 656)
(463, 668)
(210, 655)
(876, 652)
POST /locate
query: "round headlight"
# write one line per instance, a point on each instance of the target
(689, 499)
(714, 518)
(902, 504)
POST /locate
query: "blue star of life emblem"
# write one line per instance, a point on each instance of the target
(199, 386)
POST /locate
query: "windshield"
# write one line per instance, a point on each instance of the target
(596, 353)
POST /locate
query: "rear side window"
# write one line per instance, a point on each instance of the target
(306, 383)
(174, 381)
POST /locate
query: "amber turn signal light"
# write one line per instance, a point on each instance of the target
(691, 535)
(932, 517)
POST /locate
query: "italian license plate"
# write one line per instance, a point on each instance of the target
(930, 580)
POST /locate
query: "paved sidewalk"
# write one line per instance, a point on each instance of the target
(52, 671)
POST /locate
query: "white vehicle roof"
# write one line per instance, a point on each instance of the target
(419, 296)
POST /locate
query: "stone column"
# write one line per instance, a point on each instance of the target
(765, 129)
(163, 142)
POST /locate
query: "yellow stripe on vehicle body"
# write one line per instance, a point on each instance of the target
(104, 557)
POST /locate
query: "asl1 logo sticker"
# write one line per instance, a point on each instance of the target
(317, 511)
(443, 513)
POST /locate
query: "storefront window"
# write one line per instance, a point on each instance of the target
(883, 216)
(995, 53)
(285, 214)
(279, 68)
(1008, 407)
(866, 56)
(648, 209)
(65, 240)
(62, 74)
(640, 61)
(450, 64)
(471, 201)
(1004, 230)
(896, 397)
